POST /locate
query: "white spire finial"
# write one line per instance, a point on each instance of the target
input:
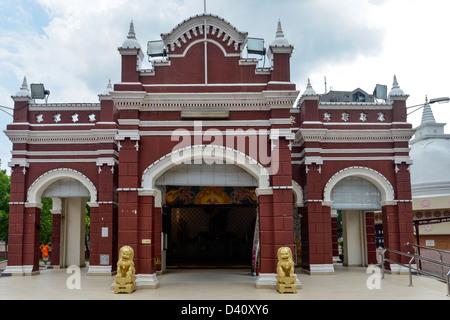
(109, 88)
(131, 33)
(24, 83)
(427, 115)
(131, 41)
(396, 91)
(280, 40)
(280, 33)
(24, 92)
(309, 89)
(395, 84)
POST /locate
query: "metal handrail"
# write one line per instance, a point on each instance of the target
(417, 258)
(409, 266)
(417, 248)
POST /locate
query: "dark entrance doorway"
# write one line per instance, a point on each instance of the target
(211, 236)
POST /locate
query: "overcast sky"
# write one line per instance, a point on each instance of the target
(71, 45)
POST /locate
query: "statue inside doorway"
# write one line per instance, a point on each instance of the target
(125, 278)
(285, 271)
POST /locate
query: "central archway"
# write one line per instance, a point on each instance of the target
(218, 225)
(210, 154)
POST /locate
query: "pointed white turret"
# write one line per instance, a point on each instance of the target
(280, 40)
(24, 92)
(131, 42)
(427, 115)
(309, 89)
(396, 91)
(109, 88)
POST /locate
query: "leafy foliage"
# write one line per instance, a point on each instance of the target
(5, 187)
(46, 221)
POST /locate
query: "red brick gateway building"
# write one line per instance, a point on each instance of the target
(209, 159)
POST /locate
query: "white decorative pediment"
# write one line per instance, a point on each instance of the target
(215, 27)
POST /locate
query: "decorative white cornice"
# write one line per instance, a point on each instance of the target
(265, 100)
(287, 133)
(131, 134)
(64, 107)
(330, 135)
(62, 136)
(355, 106)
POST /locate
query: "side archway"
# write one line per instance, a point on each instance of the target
(38, 187)
(376, 178)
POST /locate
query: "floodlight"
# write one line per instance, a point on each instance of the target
(440, 100)
(380, 92)
(436, 100)
(256, 46)
(156, 49)
(38, 91)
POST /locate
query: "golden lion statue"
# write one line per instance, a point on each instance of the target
(125, 278)
(285, 271)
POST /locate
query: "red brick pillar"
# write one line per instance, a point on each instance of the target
(24, 226)
(266, 234)
(128, 196)
(157, 243)
(318, 250)
(31, 250)
(146, 237)
(283, 219)
(316, 227)
(16, 233)
(334, 235)
(128, 222)
(404, 208)
(390, 232)
(276, 217)
(103, 238)
(103, 232)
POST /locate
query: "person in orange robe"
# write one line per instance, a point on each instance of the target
(44, 249)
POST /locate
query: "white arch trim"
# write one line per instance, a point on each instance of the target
(205, 153)
(193, 43)
(380, 181)
(36, 190)
(298, 194)
(209, 154)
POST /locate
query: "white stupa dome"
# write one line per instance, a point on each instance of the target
(430, 153)
(24, 91)
(131, 41)
(280, 40)
(309, 89)
(396, 91)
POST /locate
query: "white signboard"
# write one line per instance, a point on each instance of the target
(429, 243)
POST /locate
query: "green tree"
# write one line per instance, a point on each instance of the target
(46, 221)
(5, 187)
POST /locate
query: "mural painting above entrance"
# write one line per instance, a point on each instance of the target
(210, 196)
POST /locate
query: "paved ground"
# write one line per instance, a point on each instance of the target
(229, 284)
